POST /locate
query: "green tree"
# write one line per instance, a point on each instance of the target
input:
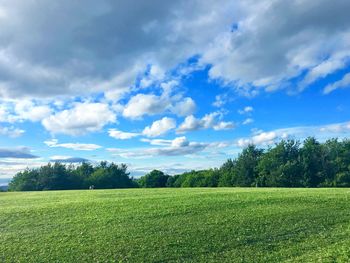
(280, 165)
(227, 173)
(154, 179)
(25, 181)
(312, 161)
(109, 176)
(245, 171)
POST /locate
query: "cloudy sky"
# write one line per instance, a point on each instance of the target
(172, 85)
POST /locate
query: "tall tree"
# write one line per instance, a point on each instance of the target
(280, 165)
(153, 179)
(246, 171)
(312, 161)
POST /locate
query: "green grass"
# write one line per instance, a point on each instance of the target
(176, 225)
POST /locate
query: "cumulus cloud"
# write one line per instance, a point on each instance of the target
(145, 104)
(89, 48)
(276, 41)
(184, 107)
(245, 43)
(120, 135)
(264, 138)
(154, 75)
(53, 143)
(224, 125)
(343, 83)
(83, 117)
(12, 111)
(159, 127)
(211, 120)
(150, 104)
(28, 110)
(176, 147)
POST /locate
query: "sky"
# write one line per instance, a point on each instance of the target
(170, 85)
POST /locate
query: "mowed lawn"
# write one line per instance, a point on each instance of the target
(176, 225)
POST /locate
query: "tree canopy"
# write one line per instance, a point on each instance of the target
(288, 163)
(58, 176)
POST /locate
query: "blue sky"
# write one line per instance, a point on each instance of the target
(156, 85)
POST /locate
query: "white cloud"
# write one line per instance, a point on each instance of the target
(11, 132)
(253, 56)
(82, 118)
(343, 83)
(234, 38)
(245, 110)
(184, 107)
(264, 138)
(158, 142)
(190, 123)
(248, 121)
(221, 100)
(23, 110)
(159, 127)
(321, 132)
(9, 167)
(145, 104)
(27, 110)
(162, 34)
(60, 157)
(3, 113)
(180, 142)
(122, 135)
(176, 147)
(155, 75)
(74, 146)
(116, 95)
(179, 146)
(150, 104)
(336, 128)
(224, 125)
(210, 120)
(169, 86)
(322, 70)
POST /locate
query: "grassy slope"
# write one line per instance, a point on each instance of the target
(158, 225)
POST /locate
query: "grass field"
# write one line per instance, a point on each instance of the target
(169, 225)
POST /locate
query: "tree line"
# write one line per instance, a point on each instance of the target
(288, 163)
(59, 176)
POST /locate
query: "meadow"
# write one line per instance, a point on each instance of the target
(176, 225)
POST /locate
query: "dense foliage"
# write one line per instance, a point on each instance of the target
(58, 176)
(289, 163)
(154, 179)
